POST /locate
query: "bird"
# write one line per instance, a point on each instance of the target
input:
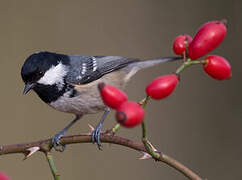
(69, 83)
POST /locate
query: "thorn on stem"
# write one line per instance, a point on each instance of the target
(145, 156)
(31, 151)
(152, 147)
(91, 128)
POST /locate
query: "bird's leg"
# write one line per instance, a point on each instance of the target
(56, 138)
(97, 131)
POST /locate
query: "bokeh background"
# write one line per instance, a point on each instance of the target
(199, 125)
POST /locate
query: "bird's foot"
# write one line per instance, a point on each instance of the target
(56, 142)
(96, 136)
(98, 130)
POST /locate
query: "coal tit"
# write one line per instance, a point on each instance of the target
(68, 83)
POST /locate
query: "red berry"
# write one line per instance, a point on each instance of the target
(181, 43)
(208, 37)
(217, 67)
(112, 96)
(4, 177)
(130, 114)
(162, 86)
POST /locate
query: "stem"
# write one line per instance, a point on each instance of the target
(145, 141)
(144, 101)
(52, 166)
(178, 166)
(147, 144)
(45, 146)
(143, 130)
(188, 63)
(116, 128)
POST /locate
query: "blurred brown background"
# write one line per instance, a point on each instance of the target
(199, 125)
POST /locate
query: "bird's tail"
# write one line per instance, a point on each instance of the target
(152, 62)
(136, 66)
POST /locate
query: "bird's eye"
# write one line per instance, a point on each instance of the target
(40, 73)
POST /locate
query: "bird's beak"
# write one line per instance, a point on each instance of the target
(28, 87)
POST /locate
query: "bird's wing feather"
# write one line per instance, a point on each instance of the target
(85, 69)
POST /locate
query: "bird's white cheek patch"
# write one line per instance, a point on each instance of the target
(55, 75)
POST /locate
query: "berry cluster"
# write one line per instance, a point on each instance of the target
(208, 37)
(128, 113)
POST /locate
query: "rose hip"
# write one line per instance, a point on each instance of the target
(208, 37)
(112, 96)
(181, 43)
(130, 114)
(217, 67)
(162, 86)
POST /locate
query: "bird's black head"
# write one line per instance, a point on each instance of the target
(36, 66)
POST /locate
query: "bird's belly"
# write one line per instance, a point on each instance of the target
(79, 105)
(88, 99)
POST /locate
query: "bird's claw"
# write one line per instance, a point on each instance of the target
(98, 130)
(56, 142)
(96, 136)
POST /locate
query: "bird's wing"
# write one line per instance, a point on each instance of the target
(85, 69)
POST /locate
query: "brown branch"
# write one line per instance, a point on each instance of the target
(46, 146)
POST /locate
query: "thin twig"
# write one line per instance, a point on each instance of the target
(52, 166)
(46, 146)
(149, 148)
(188, 63)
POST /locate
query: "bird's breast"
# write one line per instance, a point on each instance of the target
(82, 103)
